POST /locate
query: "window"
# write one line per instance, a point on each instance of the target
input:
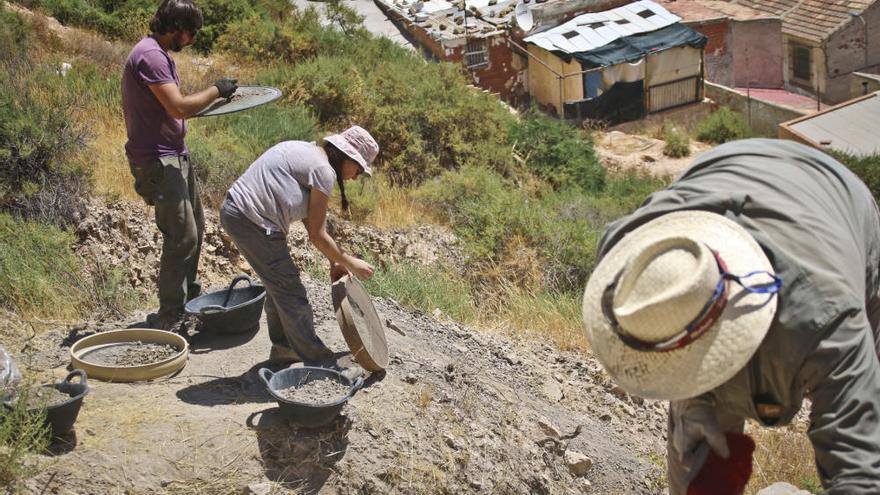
(622, 21)
(646, 13)
(569, 35)
(476, 54)
(801, 61)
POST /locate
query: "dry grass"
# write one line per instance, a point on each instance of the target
(377, 202)
(782, 454)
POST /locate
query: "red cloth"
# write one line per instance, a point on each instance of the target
(729, 476)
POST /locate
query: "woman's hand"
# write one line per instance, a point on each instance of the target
(359, 268)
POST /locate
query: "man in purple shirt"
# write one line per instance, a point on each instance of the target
(155, 113)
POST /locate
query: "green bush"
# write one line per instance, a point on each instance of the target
(678, 144)
(423, 288)
(22, 434)
(866, 168)
(37, 136)
(15, 36)
(723, 125)
(557, 152)
(40, 274)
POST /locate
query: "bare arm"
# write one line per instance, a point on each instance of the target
(316, 226)
(179, 106)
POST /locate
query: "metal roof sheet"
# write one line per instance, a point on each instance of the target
(590, 31)
(849, 127)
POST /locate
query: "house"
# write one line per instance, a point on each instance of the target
(478, 34)
(824, 42)
(848, 127)
(744, 46)
(616, 65)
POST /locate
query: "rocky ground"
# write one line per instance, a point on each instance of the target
(458, 409)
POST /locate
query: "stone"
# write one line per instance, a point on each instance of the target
(548, 428)
(782, 488)
(583, 485)
(410, 378)
(257, 489)
(578, 464)
(451, 441)
(552, 390)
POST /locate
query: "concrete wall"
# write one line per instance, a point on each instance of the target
(742, 53)
(764, 117)
(544, 83)
(757, 53)
(862, 84)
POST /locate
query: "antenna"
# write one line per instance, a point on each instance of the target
(524, 17)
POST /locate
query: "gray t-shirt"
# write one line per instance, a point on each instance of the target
(274, 191)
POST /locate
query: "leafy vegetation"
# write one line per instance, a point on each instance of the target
(678, 143)
(22, 433)
(723, 125)
(867, 168)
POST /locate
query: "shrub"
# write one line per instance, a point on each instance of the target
(557, 152)
(40, 274)
(866, 168)
(723, 125)
(423, 288)
(37, 137)
(22, 434)
(678, 144)
(257, 39)
(15, 36)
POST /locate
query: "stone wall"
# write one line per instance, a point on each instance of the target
(764, 117)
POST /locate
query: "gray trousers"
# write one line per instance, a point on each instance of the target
(288, 312)
(170, 185)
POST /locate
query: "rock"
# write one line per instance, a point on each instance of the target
(782, 488)
(257, 489)
(552, 390)
(578, 464)
(437, 313)
(451, 441)
(548, 428)
(583, 485)
(410, 378)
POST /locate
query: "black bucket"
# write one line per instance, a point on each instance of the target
(232, 310)
(61, 416)
(303, 414)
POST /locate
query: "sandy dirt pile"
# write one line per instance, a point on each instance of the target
(457, 411)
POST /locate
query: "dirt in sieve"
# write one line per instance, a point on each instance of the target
(320, 391)
(130, 354)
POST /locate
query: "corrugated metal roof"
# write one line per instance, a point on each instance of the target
(849, 127)
(810, 19)
(590, 31)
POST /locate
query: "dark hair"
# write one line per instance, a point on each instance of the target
(176, 15)
(335, 156)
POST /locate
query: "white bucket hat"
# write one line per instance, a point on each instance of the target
(358, 144)
(680, 305)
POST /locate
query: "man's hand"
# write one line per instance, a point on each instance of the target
(226, 87)
(337, 271)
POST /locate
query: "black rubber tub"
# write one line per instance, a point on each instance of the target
(62, 416)
(304, 414)
(232, 310)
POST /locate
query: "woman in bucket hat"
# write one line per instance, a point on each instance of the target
(750, 283)
(291, 181)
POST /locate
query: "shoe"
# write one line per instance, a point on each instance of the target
(171, 323)
(283, 353)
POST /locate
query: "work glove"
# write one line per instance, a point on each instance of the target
(226, 87)
(726, 476)
(694, 423)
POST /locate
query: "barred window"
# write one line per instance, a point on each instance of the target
(476, 54)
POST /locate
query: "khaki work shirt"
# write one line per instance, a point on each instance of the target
(820, 228)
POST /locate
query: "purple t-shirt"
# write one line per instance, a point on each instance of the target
(152, 133)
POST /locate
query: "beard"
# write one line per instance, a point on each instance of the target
(177, 42)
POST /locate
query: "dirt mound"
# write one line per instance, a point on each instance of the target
(123, 233)
(457, 411)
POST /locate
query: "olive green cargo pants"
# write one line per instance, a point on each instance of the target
(170, 185)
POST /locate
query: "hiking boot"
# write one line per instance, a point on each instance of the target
(283, 353)
(171, 323)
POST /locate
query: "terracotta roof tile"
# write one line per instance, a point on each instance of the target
(809, 19)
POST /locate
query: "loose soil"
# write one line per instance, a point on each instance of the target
(130, 354)
(320, 391)
(43, 397)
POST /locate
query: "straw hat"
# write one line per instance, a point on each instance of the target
(663, 277)
(358, 144)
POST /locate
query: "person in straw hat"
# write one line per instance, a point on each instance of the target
(291, 181)
(747, 285)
